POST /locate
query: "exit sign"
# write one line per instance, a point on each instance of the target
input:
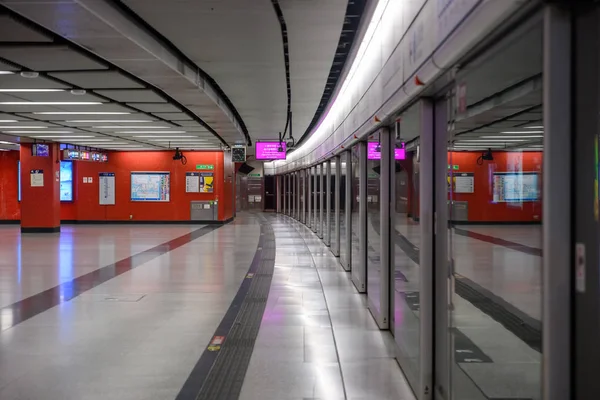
(205, 166)
(254, 175)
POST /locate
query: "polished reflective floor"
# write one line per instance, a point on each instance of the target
(126, 312)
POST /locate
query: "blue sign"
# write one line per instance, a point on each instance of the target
(66, 181)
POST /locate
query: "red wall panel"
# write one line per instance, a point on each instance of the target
(10, 208)
(85, 205)
(481, 207)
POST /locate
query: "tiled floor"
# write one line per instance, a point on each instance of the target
(138, 334)
(317, 338)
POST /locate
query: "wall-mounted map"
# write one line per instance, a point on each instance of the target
(150, 186)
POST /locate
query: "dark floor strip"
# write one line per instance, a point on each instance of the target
(220, 371)
(534, 251)
(526, 328)
(30, 307)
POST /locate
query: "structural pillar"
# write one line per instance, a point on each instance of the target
(40, 190)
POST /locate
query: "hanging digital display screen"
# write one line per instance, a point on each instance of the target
(270, 150)
(374, 151)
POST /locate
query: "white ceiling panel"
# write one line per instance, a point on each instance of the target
(16, 81)
(48, 58)
(155, 107)
(98, 80)
(132, 96)
(13, 31)
(177, 116)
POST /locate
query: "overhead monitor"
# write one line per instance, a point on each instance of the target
(374, 151)
(270, 150)
(40, 150)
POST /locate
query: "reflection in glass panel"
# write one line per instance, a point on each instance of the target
(318, 200)
(494, 189)
(332, 195)
(373, 225)
(406, 238)
(355, 225)
(346, 174)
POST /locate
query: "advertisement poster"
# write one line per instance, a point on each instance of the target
(107, 188)
(207, 180)
(66, 181)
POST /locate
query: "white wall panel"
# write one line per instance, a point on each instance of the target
(403, 39)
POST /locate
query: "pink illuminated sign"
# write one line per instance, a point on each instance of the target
(270, 150)
(374, 151)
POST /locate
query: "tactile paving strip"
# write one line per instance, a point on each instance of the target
(226, 377)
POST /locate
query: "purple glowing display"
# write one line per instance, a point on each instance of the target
(374, 151)
(270, 150)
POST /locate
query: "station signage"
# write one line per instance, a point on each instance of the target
(83, 155)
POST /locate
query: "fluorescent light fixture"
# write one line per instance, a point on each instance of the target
(3, 142)
(524, 132)
(61, 137)
(4, 150)
(534, 127)
(7, 121)
(50, 103)
(126, 132)
(490, 140)
(130, 127)
(23, 127)
(94, 140)
(107, 121)
(82, 113)
(155, 137)
(30, 90)
(99, 143)
(13, 132)
(6, 73)
(511, 137)
(186, 140)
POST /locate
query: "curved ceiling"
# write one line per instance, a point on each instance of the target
(239, 43)
(211, 68)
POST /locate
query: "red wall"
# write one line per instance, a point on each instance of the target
(85, 205)
(481, 207)
(9, 203)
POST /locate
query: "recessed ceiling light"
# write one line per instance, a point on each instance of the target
(62, 137)
(6, 73)
(23, 127)
(50, 103)
(155, 137)
(20, 132)
(126, 132)
(129, 127)
(30, 90)
(511, 137)
(30, 74)
(82, 113)
(524, 132)
(106, 121)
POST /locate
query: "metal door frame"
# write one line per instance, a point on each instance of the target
(335, 248)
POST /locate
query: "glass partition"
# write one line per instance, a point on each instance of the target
(355, 258)
(315, 204)
(374, 266)
(327, 209)
(345, 211)
(405, 235)
(302, 195)
(318, 188)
